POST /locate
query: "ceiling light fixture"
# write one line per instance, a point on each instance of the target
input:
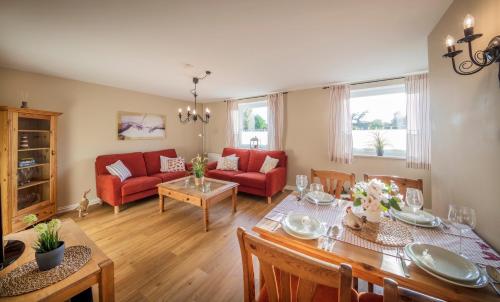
(478, 59)
(192, 115)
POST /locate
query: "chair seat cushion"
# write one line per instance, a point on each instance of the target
(251, 179)
(168, 176)
(222, 175)
(139, 184)
(370, 297)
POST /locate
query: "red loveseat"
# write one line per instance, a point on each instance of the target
(248, 176)
(145, 170)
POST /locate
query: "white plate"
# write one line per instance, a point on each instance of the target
(444, 263)
(320, 203)
(316, 235)
(434, 223)
(320, 197)
(302, 224)
(421, 217)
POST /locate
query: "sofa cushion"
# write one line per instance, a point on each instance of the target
(168, 164)
(168, 176)
(257, 157)
(133, 161)
(152, 159)
(139, 184)
(243, 154)
(251, 179)
(222, 175)
(119, 169)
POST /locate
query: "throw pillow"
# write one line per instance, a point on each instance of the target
(269, 164)
(220, 161)
(175, 164)
(230, 163)
(119, 169)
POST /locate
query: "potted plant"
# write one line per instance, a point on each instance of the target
(375, 196)
(199, 166)
(49, 250)
(379, 143)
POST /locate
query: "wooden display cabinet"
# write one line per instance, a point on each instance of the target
(28, 165)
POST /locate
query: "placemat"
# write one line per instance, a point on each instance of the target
(28, 277)
(473, 246)
(387, 232)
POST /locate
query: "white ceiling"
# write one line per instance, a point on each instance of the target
(252, 47)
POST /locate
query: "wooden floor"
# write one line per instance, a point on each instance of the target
(169, 257)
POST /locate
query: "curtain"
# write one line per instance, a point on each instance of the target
(418, 142)
(275, 121)
(340, 130)
(232, 130)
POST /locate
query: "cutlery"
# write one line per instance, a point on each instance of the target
(331, 235)
(401, 256)
(493, 277)
(445, 225)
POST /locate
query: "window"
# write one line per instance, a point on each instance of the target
(379, 121)
(253, 123)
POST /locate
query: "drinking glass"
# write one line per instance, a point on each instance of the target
(316, 187)
(414, 200)
(301, 182)
(463, 218)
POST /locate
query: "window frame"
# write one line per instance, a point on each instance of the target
(255, 103)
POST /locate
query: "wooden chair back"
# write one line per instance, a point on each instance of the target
(394, 293)
(402, 183)
(333, 181)
(275, 258)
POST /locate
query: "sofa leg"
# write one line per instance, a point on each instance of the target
(269, 200)
(117, 209)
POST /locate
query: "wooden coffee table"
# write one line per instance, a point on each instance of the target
(203, 196)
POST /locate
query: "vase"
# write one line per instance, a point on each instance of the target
(372, 216)
(50, 259)
(198, 181)
(380, 152)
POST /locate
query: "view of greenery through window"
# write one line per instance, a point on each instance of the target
(253, 123)
(379, 122)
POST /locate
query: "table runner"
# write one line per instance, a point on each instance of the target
(472, 245)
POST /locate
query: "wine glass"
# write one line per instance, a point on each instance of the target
(301, 182)
(414, 200)
(463, 218)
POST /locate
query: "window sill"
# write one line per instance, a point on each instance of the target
(380, 157)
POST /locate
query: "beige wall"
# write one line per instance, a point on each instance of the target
(306, 137)
(466, 121)
(87, 127)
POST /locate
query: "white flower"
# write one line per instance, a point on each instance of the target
(54, 224)
(41, 228)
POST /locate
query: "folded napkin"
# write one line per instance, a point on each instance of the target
(420, 216)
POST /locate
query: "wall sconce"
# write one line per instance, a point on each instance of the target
(478, 59)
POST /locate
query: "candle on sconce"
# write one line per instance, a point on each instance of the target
(450, 43)
(469, 25)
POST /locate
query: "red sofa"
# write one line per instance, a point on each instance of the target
(145, 170)
(248, 176)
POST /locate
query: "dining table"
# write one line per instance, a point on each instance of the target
(372, 261)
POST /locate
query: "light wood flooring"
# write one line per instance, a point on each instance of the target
(169, 257)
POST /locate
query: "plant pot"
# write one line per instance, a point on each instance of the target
(50, 259)
(373, 216)
(380, 152)
(198, 181)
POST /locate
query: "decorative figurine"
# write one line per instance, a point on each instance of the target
(352, 221)
(84, 205)
(254, 143)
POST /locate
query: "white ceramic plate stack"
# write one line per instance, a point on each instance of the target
(446, 266)
(419, 218)
(320, 198)
(302, 226)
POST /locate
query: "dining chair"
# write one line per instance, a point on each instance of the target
(291, 276)
(401, 182)
(395, 293)
(333, 181)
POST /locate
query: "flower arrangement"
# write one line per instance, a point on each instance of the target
(48, 235)
(199, 165)
(375, 196)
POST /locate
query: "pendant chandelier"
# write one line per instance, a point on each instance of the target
(191, 115)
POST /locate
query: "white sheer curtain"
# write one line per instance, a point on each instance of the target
(275, 121)
(232, 130)
(340, 130)
(418, 142)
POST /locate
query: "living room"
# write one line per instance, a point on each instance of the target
(357, 89)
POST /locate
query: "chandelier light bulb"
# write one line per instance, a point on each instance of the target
(468, 21)
(189, 108)
(208, 110)
(180, 110)
(194, 111)
(450, 41)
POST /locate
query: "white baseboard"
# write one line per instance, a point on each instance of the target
(74, 206)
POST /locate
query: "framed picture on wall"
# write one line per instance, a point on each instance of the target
(140, 126)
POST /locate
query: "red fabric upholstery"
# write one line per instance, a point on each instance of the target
(133, 161)
(257, 158)
(167, 176)
(251, 179)
(138, 184)
(152, 159)
(212, 165)
(243, 154)
(140, 195)
(109, 189)
(222, 175)
(370, 297)
(275, 181)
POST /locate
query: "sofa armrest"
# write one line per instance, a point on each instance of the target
(108, 189)
(275, 181)
(189, 166)
(212, 165)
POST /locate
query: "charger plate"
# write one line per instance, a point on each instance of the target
(28, 277)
